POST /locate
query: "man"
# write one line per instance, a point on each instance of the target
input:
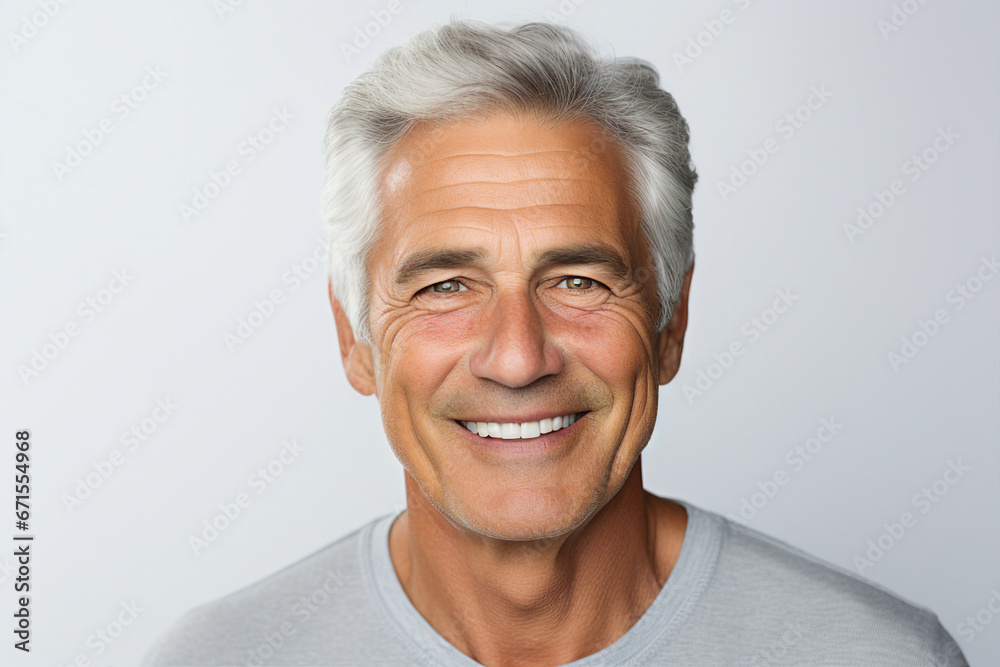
(510, 260)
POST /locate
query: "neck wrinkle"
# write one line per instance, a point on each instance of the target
(533, 603)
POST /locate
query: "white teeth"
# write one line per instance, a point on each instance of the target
(518, 431)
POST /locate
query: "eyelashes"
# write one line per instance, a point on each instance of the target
(573, 283)
(452, 286)
(569, 283)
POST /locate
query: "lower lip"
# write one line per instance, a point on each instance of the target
(544, 443)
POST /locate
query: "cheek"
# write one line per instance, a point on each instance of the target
(426, 349)
(610, 344)
(616, 350)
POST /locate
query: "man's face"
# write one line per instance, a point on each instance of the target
(505, 291)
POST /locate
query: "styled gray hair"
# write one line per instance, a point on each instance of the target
(466, 69)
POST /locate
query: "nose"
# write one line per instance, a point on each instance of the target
(515, 349)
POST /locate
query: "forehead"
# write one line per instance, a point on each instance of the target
(505, 175)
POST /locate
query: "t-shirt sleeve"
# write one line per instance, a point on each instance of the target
(946, 651)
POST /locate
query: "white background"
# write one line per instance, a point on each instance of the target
(162, 336)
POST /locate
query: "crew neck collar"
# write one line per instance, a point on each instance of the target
(695, 565)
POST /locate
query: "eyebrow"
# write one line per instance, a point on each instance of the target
(431, 260)
(594, 254)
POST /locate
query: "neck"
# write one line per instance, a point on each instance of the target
(545, 602)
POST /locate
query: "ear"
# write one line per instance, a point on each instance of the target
(670, 341)
(356, 356)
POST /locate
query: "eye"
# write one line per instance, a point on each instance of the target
(577, 283)
(447, 287)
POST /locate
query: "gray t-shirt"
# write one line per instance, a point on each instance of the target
(734, 597)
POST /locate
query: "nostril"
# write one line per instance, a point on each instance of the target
(514, 349)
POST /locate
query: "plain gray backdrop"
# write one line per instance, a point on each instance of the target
(120, 307)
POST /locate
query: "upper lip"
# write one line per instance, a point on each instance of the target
(534, 416)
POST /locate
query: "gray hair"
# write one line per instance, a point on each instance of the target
(467, 69)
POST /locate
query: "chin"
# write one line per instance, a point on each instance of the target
(522, 514)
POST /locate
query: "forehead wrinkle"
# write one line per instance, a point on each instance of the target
(514, 182)
(505, 197)
(591, 190)
(498, 167)
(427, 163)
(467, 207)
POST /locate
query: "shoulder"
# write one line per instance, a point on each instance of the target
(280, 618)
(795, 599)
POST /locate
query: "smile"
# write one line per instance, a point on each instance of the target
(520, 430)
